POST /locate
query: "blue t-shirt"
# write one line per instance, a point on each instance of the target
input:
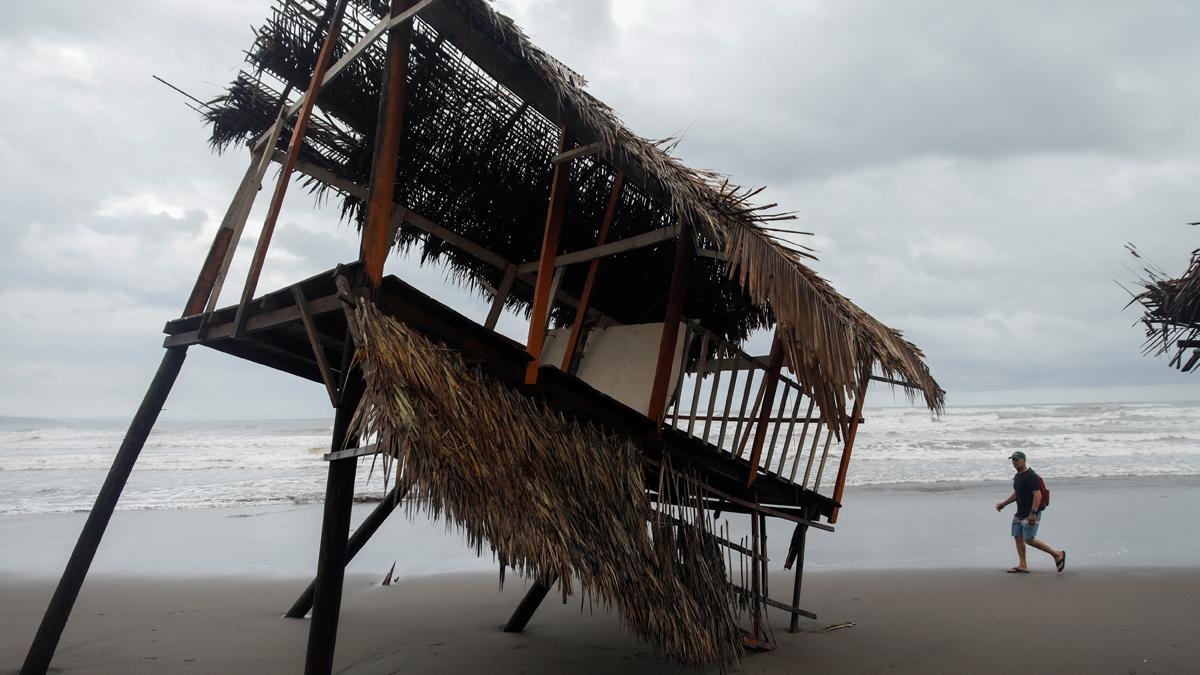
(1025, 484)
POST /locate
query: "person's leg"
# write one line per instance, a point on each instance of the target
(1021, 553)
(1047, 548)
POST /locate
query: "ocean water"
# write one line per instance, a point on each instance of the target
(49, 466)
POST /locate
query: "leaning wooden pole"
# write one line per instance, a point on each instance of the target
(361, 536)
(844, 464)
(54, 621)
(585, 297)
(670, 331)
(37, 661)
(529, 604)
(388, 132)
(560, 187)
(293, 155)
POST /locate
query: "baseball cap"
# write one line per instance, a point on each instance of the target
(1017, 455)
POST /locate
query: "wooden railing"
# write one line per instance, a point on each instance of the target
(719, 398)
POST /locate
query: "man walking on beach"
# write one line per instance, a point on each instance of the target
(1027, 493)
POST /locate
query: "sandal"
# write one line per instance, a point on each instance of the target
(1016, 570)
(1061, 562)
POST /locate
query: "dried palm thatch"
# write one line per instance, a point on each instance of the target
(1171, 305)
(551, 496)
(476, 158)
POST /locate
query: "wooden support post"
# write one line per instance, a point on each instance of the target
(670, 332)
(560, 188)
(585, 298)
(756, 551)
(388, 130)
(293, 154)
(357, 540)
(314, 341)
(796, 555)
(37, 661)
(335, 529)
(844, 464)
(529, 604)
(762, 529)
(769, 384)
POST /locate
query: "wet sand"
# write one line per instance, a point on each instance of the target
(917, 568)
(943, 621)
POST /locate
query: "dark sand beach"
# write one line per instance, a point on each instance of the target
(918, 570)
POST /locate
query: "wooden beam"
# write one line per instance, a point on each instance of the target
(355, 544)
(506, 282)
(254, 324)
(293, 154)
(529, 604)
(589, 149)
(389, 127)
(560, 188)
(238, 213)
(604, 250)
(475, 40)
(670, 331)
(589, 284)
(844, 464)
(770, 384)
(314, 340)
(355, 51)
(406, 215)
(364, 451)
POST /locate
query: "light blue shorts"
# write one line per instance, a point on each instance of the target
(1024, 530)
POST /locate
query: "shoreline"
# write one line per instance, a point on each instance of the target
(1117, 620)
(1103, 523)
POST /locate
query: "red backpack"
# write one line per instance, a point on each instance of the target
(1045, 493)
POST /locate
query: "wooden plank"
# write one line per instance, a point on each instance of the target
(389, 128)
(255, 323)
(590, 148)
(670, 331)
(238, 213)
(603, 251)
(310, 330)
(560, 188)
(589, 284)
(770, 384)
(506, 282)
(776, 427)
(824, 456)
(803, 432)
(293, 154)
(364, 451)
(791, 609)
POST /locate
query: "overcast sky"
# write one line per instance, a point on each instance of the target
(971, 173)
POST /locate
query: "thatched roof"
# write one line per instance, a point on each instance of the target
(482, 116)
(1171, 306)
(551, 496)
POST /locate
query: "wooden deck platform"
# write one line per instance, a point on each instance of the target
(283, 326)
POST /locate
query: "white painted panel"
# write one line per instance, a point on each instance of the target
(619, 360)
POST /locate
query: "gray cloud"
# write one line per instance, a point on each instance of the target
(971, 173)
